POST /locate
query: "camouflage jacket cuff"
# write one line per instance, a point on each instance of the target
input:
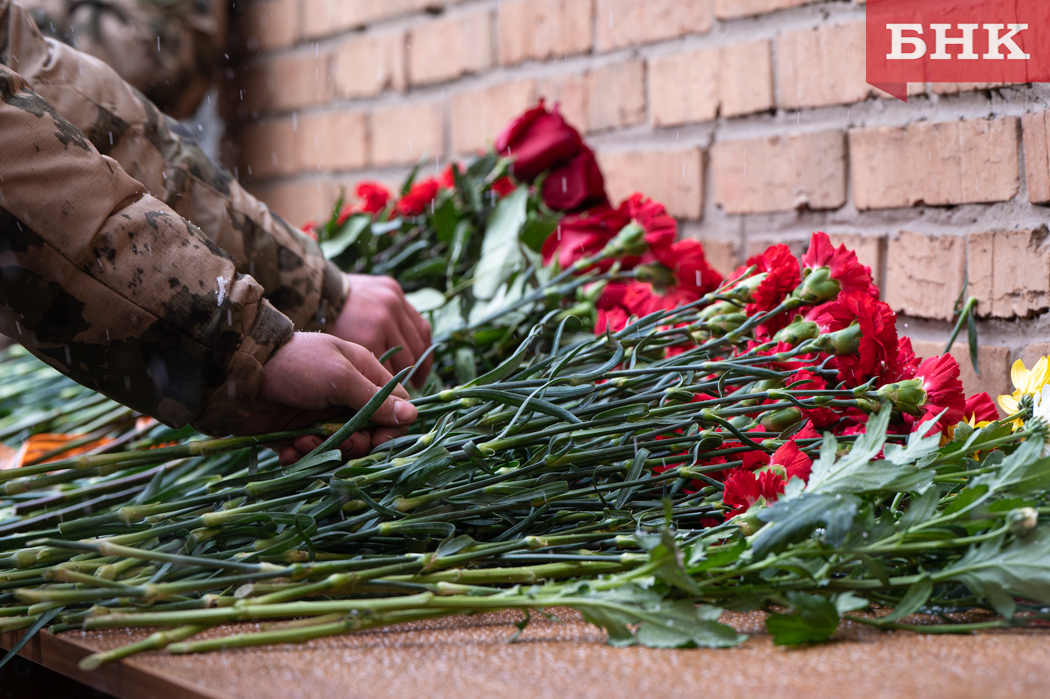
(231, 403)
(334, 291)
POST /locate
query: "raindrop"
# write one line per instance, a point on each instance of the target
(158, 43)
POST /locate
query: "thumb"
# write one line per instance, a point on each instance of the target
(379, 396)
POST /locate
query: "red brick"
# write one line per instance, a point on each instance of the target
(893, 166)
(264, 150)
(281, 83)
(616, 95)
(924, 274)
(721, 254)
(569, 92)
(870, 249)
(478, 116)
(268, 25)
(821, 66)
(672, 177)
(780, 173)
(758, 244)
(299, 201)
(992, 360)
(1036, 159)
(450, 46)
(403, 133)
(369, 63)
(701, 85)
(731, 9)
(1032, 354)
(623, 23)
(327, 17)
(332, 141)
(541, 29)
(1010, 272)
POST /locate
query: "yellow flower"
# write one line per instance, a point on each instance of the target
(1026, 383)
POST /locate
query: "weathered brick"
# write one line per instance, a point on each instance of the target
(365, 64)
(281, 83)
(821, 66)
(956, 88)
(630, 22)
(616, 95)
(450, 46)
(992, 360)
(698, 86)
(721, 254)
(268, 25)
(672, 177)
(478, 116)
(332, 141)
(569, 92)
(924, 274)
(327, 17)
(1036, 158)
(731, 9)
(265, 149)
(1010, 272)
(893, 166)
(870, 249)
(402, 134)
(780, 173)
(1032, 353)
(298, 201)
(541, 29)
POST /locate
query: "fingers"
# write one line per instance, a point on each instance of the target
(356, 387)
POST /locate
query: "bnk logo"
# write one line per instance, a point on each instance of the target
(977, 41)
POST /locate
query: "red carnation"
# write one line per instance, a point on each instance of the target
(503, 186)
(878, 349)
(807, 380)
(374, 197)
(693, 278)
(944, 390)
(792, 461)
(576, 184)
(844, 272)
(782, 277)
(980, 408)
(538, 140)
(583, 235)
(905, 365)
(613, 320)
(422, 193)
(660, 227)
(743, 489)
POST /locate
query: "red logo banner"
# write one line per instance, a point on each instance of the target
(949, 41)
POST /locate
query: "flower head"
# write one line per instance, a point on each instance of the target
(584, 235)
(744, 488)
(419, 196)
(980, 410)
(878, 349)
(829, 270)
(1026, 383)
(782, 276)
(538, 140)
(373, 197)
(575, 184)
(691, 277)
(944, 391)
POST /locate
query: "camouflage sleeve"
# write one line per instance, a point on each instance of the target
(166, 49)
(113, 288)
(161, 154)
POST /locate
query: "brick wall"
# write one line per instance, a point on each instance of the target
(749, 119)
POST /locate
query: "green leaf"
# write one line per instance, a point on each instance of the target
(465, 364)
(445, 218)
(500, 254)
(509, 365)
(920, 508)
(633, 474)
(999, 574)
(537, 230)
(814, 618)
(427, 299)
(701, 559)
(849, 602)
(682, 624)
(971, 336)
(857, 473)
(450, 547)
(794, 520)
(346, 236)
(912, 601)
(1025, 471)
(918, 447)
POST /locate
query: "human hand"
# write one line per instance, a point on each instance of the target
(316, 377)
(378, 317)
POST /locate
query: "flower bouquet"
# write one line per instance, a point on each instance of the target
(611, 426)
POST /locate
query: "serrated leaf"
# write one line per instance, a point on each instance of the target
(1024, 471)
(999, 574)
(918, 446)
(791, 521)
(682, 624)
(920, 508)
(500, 253)
(813, 618)
(701, 559)
(912, 601)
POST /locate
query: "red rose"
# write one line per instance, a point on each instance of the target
(538, 140)
(577, 184)
(374, 197)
